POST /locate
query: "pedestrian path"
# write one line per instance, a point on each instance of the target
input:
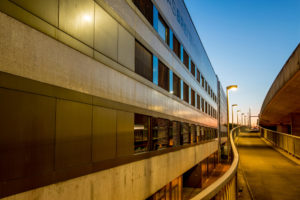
(269, 175)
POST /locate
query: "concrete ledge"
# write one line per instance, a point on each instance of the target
(136, 180)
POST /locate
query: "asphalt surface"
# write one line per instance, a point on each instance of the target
(269, 175)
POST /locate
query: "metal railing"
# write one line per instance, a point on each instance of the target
(286, 142)
(226, 186)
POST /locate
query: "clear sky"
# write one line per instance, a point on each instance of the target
(248, 42)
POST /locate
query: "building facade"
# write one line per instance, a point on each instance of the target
(105, 99)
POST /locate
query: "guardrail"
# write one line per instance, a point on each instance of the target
(286, 142)
(226, 186)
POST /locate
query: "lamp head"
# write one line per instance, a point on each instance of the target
(234, 105)
(230, 87)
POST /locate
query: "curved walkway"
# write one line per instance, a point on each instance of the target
(269, 174)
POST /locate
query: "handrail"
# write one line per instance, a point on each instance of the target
(218, 185)
(286, 142)
(289, 135)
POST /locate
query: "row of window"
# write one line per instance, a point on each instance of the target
(147, 8)
(152, 133)
(151, 68)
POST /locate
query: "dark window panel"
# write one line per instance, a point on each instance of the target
(176, 46)
(163, 76)
(193, 68)
(198, 75)
(185, 92)
(185, 59)
(141, 133)
(205, 107)
(202, 104)
(160, 133)
(202, 81)
(193, 134)
(146, 8)
(192, 97)
(198, 102)
(206, 86)
(143, 61)
(185, 131)
(175, 133)
(176, 85)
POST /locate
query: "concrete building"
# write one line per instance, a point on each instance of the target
(281, 108)
(105, 99)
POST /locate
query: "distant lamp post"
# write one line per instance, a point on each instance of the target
(237, 117)
(230, 87)
(233, 105)
(242, 118)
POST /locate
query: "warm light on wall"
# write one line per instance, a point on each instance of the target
(87, 18)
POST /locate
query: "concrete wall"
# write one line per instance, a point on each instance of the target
(31, 54)
(136, 180)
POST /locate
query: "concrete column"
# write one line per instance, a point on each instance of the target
(296, 124)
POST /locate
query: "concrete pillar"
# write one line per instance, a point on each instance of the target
(296, 124)
(282, 128)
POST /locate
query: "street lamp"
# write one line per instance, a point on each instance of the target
(233, 105)
(230, 87)
(242, 118)
(237, 117)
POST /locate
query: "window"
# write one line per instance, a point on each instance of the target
(185, 59)
(205, 107)
(198, 76)
(198, 102)
(206, 86)
(176, 46)
(141, 133)
(185, 131)
(193, 68)
(160, 133)
(143, 61)
(175, 132)
(176, 85)
(202, 104)
(193, 134)
(146, 8)
(163, 76)
(185, 92)
(163, 29)
(202, 78)
(208, 109)
(192, 97)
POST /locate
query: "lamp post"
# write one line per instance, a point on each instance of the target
(233, 105)
(228, 138)
(242, 118)
(237, 117)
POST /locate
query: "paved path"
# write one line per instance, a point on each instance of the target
(270, 175)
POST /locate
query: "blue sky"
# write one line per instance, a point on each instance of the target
(248, 42)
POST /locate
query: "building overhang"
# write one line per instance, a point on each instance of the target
(283, 98)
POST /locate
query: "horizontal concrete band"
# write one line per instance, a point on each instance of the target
(135, 180)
